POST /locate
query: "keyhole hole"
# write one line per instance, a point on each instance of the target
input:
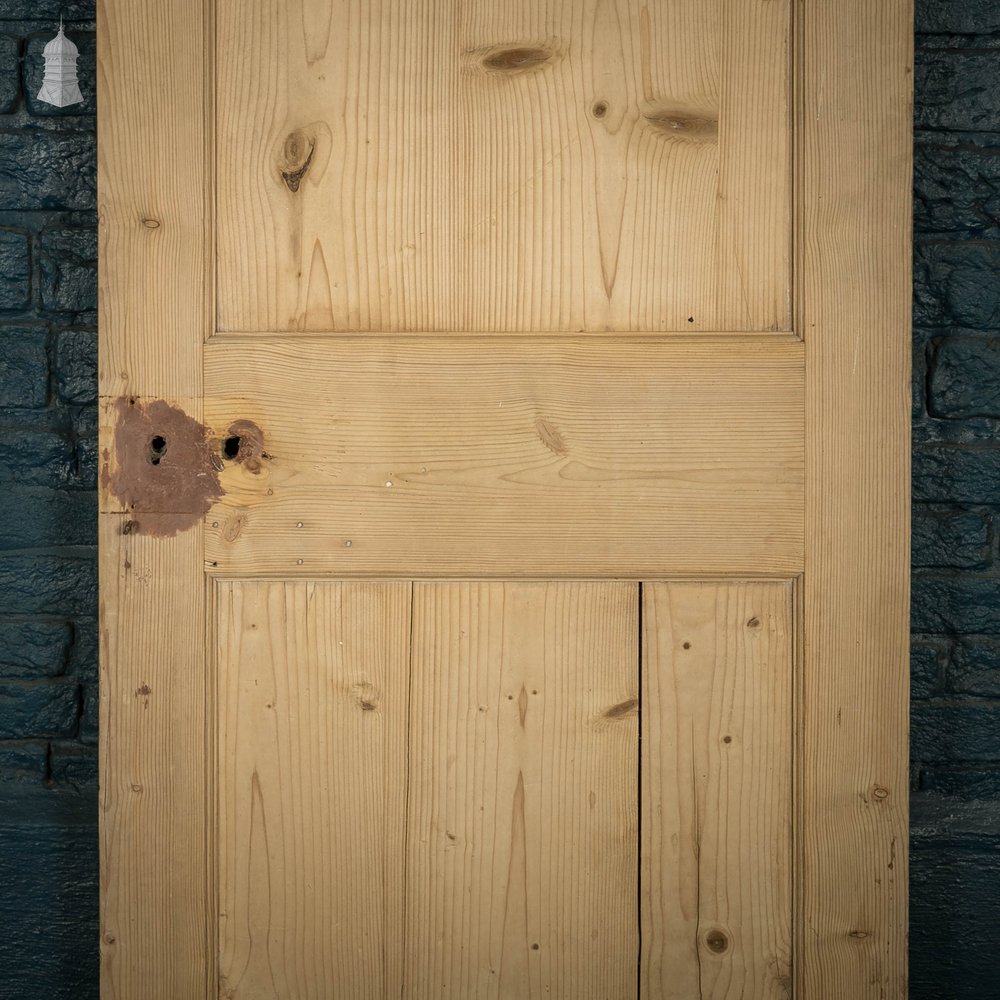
(231, 447)
(157, 449)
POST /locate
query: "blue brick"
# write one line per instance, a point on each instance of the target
(974, 667)
(49, 584)
(68, 265)
(957, 90)
(10, 82)
(950, 536)
(955, 284)
(74, 766)
(15, 289)
(927, 659)
(24, 367)
(33, 458)
(954, 914)
(49, 899)
(946, 473)
(963, 782)
(23, 762)
(89, 723)
(48, 170)
(48, 10)
(919, 363)
(83, 661)
(48, 517)
(968, 17)
(30, 709)
(33, 649)
(947, 730)
(87, 449)
(952, 605)
(85, 421)
(34, 70)
(956, 184)
(76, 366)
(965, 377)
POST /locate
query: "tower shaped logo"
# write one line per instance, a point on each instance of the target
(59, 85)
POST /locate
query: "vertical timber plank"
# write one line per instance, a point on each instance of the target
(312, 788)
(522, 819)
(853, 303)
(154, 72)
(716, 791)
(155, 888)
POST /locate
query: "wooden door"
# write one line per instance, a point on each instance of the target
(504, 426)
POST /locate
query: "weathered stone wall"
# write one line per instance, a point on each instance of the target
(48, 603)
(955, 867)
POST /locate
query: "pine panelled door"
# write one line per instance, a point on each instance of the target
(504, 498)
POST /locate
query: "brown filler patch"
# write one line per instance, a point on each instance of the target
(163, 469)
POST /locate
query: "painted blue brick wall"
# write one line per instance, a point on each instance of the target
(48, 805)
(955, 859)
(48, 505)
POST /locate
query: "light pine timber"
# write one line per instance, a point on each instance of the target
(156, 767)
(482, 191)
(157, 882)
(854, 237)
(523, 791)
(715, 885)
(513, 456)
(154, 196)
(519, 166)
(313, 681)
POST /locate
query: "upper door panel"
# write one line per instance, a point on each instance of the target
(511, 165)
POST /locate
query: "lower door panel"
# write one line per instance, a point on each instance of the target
(488, 789)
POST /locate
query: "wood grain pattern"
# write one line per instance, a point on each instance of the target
(495, 197)
(716, 791)
(549, 166)
(156, 938)
(522, 820)
(312, 788)
(154, 195)
(854, 198)
(510, 456)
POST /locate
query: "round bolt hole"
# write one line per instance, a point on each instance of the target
(157, 449)
(231, 447)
